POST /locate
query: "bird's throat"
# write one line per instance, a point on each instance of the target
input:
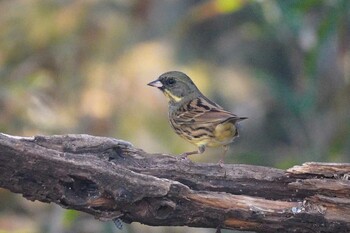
(171, 96)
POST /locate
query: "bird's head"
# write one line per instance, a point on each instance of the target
(176, 86)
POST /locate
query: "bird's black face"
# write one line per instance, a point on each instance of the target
(175, 85)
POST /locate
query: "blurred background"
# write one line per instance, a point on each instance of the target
(82, 67)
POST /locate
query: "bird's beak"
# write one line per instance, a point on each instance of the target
(155, 83)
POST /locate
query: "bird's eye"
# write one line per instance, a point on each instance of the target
(171, 81)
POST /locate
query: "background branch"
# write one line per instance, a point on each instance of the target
(109, 178)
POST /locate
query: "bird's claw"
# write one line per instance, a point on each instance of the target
(221, 163)
(183, 156)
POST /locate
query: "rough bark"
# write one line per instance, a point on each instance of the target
(109, 178)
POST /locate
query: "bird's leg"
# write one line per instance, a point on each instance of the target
(200, 150)
(221, 161)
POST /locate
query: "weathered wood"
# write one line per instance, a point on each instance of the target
(110, 178)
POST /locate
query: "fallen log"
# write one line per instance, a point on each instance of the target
(109, 178)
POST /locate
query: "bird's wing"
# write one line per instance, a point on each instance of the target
(203, 111)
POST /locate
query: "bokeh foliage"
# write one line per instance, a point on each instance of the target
(82, 67)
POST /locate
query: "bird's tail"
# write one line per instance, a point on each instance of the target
(241, 118)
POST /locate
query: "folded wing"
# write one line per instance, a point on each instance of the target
(203, 111)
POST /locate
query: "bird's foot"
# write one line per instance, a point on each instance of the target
(183, 156)
(221, 163)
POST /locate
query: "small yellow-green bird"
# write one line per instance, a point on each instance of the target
(193, 116)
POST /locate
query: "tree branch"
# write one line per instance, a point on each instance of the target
(109, 178)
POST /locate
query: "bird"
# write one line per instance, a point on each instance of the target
(194, 117)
